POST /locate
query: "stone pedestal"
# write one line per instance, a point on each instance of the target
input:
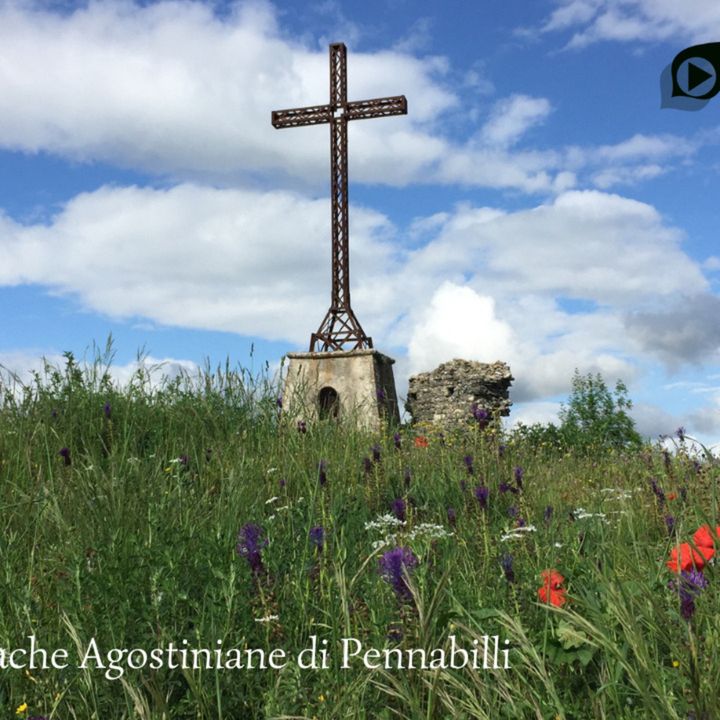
(356, 386)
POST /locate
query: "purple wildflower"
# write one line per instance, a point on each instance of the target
(317, 537)
(481, 416)
(376, 453)
(250, 543)
(367, 465)
(394, 564)
(667, 458)
(519, 472)
(53, 413)
(512, 511)
(322, 475)
(501, 449)
(507, 565)
(481, 495)
(670, 524)
(107, 409)
(396, 440)
(184, 460)
(680, 432)
(282, 483)
(547, 515)
(278, 402)
(468, 460)
(65, 455)
(688, 586)
(452, 516)
(659, 492)
(398, 508)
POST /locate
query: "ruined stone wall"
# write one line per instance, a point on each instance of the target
(445, 396)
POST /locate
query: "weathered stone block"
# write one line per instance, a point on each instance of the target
(445, 396)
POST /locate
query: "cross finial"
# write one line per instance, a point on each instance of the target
(340, 329)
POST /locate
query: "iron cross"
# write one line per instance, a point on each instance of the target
(340, 328)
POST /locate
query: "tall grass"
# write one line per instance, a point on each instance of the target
(129, 538)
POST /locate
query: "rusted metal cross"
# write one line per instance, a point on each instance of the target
(340, 330)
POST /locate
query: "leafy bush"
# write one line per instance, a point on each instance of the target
(595, 419)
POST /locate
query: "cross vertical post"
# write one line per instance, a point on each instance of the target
(340, 328)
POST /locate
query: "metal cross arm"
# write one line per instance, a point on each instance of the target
(340, 327)
(358, 110)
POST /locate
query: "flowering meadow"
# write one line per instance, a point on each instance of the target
(193, 515)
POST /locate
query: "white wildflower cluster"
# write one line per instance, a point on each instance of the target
(267, 618)
(517, 532)
(388, 541)
(429, 531)
(390, 527)
(617, 494)
(384, 523)
(582, 514)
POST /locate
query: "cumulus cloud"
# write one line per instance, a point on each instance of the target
(687, 331)
(192, 257)
(479, 283)
(511, 118)
(635, 20)
(174, 89)
(171, 87)
(458, 322)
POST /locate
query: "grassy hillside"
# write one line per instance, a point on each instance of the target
(192, 515)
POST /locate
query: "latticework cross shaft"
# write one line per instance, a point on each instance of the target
(340, 329)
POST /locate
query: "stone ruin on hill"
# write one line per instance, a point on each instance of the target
(445, 396)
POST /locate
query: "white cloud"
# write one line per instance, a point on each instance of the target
(542, 412)
(512, 117)
(193, 257)
(170, 87)
(635, 20)
(173, 89)
(457, 323)
(478, 283)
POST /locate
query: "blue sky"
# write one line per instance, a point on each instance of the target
(536, 205)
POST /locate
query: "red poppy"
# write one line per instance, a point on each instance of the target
(421, 441)
(685, 558)
(704, 537)
(554, 597)
(552, 579)
(552, 591)
(671, 496)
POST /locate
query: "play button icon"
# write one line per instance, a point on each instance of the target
(696, 71)
(692, 78)
(696, 75)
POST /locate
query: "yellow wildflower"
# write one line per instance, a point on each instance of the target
(21, 709)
